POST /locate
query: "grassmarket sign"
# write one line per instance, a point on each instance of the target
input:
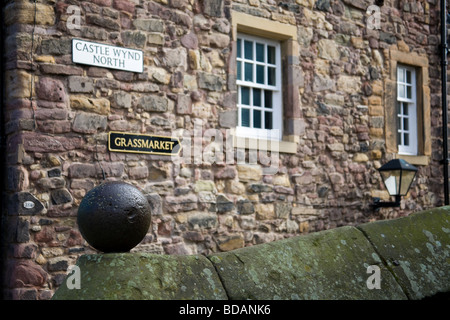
(143, 143)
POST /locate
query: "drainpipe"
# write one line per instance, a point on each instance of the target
(444, 49)
(2, 151)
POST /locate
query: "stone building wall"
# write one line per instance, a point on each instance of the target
(57, 140)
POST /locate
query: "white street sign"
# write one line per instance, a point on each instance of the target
(106, 56)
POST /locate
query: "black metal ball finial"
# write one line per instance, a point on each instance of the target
(114, 217)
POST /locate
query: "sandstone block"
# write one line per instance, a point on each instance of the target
(210, 81)
(23, 12)
(249, 172)
(184, 104)
(223, 204)
(181, 203)
(97, 105)
(190, 41)
(138, 173)
(124, 5)
(51, 89)
(349, 84)
(204, 185)
(82, 170)
(228, 119)
(25, 273)
(56, 46)
(213, 8)
(36, 142)
(89, 123)
(18, 84)
(136, 39)
(104, 22)
(175, 58)
(360, 157)
(61, 196)
(283, 210)
(265, 211)
(328, 49)
(121, 100)
(79, 84)
(245, 207)
(201, 220)
(153, 103)
(155, 38)
(149, 25)
(228, 243)
(59, 69)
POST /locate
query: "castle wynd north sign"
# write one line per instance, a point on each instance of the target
(143, 143)
(106, 56)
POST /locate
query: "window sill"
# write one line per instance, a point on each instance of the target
(414, 160)
(281, 146)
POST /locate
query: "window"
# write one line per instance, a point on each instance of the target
(258, 63)
(407, 137)
(408, 107)
(268, 113)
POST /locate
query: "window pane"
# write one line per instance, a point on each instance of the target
(239, 52)
(267, 99)
(399, 123)
(406, 139)
(245, 117)
(271, 76)
(399, 138)
(257, 119)
(260, 52)
(401, 75)
(401, 91)
(405, 109)
(268, 120)
(271, 54)
(248, 72)
(405, 124)
(257, 97)
(245, 96)
(239, 70)
(248, 50)
(409, 92)
(260, 74)
(408, 76)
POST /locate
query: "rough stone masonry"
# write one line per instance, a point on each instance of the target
(58, 115)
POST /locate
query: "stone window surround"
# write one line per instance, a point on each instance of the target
(423, 106)
(287, 35)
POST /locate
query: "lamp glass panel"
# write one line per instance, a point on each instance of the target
(407, 179)
(391, 181)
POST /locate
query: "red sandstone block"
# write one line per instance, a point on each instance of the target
(36, 142)
(104, 3)
(124, 5)
(25, 273)
(61, 69)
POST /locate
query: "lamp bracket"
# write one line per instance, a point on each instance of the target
(378, 204)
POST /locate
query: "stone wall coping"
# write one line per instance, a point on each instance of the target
(412, 254)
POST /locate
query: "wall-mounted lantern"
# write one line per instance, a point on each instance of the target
(397, 175)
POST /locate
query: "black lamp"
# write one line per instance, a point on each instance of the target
(397, 175)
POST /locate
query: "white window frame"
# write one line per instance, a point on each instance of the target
(408, 104)
(277, 110)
